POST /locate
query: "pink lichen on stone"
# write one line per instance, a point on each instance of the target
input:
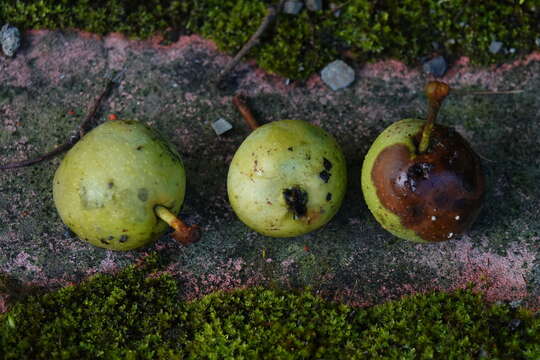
(499, 277)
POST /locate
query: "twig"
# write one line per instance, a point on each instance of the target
(487, 92)
(335, 10)
(245, 112)
(271, 14)
(83, 128)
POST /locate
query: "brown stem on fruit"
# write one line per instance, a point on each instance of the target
(271, 14)
(184, 234)
(436, 92)
(83, 128)
(244, 110)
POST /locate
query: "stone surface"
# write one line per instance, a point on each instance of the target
(10, 38)
(314, 5)
(352, 258)
(221, 126)
(293, 7)
(436, 66)
(495, 47)
(337, 75)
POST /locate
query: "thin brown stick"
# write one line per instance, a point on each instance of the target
(271, 14)
(487, 92)
(83, 128)
(244, 110)
(334, 10)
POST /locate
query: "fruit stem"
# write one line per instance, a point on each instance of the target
(436, 91)
(244, 110)
(183, 233)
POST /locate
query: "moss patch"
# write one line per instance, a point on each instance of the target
(139, 313)
(300, 45)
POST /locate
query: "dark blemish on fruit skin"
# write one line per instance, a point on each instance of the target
(123, 238)
(327, 164)
(296, 199)
(290, 148)
(444, 182)
(325, 176)
(110, 238)
(328, 197)
(103, 241)
(139, 147)
(142, 194)
(110, 184)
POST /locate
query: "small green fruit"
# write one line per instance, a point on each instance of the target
(109, 184)
(422, 181)
(287, 178)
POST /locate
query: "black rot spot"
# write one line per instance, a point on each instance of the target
(290, 148)
(123, 238)
(325, 176)
(139, 147)
(327, 164)
(296, 199)
(110, 184)
(103, 241)
(328, 196)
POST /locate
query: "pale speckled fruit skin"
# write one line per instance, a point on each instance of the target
(264, 166)
(400, 132)
(108, 184)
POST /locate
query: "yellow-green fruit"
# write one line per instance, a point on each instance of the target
(426, 196)
(287, 178)
(108, 184)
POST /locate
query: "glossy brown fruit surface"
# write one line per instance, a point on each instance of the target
(437, 194)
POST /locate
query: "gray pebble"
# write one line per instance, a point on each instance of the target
(337, 75)
(336, 8)
(495, 46)
(436, 66)
(221, 126)
(314, 5)
(292, 7)
(515, 304)
(10, 38)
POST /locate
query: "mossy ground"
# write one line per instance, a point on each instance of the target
(300, 45)
(139, 314)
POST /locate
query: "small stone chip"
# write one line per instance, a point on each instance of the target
(221, 126)
(436, 66)
(495, 46)
(337, 75)
(10, 39)
(314, 5)
(292, 7)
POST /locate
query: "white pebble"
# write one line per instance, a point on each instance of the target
(337, 75)
(457, 217)
(450, 235)
(433, 218)
(221, 126)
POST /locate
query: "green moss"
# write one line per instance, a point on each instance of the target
(138, 313)
(300, 45)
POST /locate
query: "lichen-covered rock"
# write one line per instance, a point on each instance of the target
(10, 38)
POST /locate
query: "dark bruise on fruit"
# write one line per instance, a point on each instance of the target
(296, 199)
(325, 176)
(327, 164)
(438, 194)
